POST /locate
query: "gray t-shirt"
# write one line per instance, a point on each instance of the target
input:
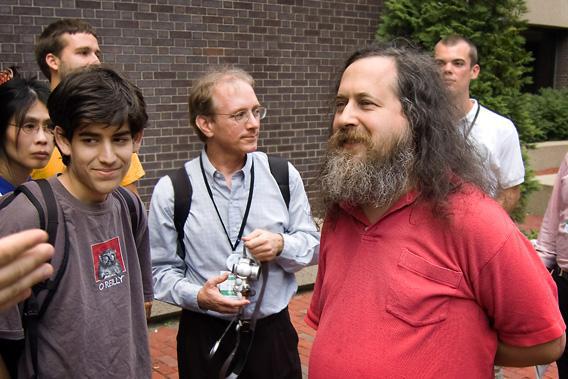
(95, 325)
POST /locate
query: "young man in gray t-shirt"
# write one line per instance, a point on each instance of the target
(95, 324)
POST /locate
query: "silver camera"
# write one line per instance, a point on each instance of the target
(243, 269)
(246, 268)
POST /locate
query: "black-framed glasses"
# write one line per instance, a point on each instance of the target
(33, 128)
(242, 117)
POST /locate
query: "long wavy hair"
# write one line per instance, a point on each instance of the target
(445, 158)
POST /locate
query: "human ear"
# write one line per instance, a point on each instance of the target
(52, 61)
(63, 144)
(204, 125)
(137, 141)
(475, 71)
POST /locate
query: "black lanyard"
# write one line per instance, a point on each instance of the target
(470, 126)
(249, 201)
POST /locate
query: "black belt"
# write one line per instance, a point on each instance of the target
(560, 272)
(261, 322)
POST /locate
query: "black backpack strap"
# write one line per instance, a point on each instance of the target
(279, 170)
(132, 209)
(52, 213)
(33, 311)
(182, 204)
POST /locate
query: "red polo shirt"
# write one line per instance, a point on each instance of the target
(417, 296)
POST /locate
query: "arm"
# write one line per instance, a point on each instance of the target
(549, 229)
(170, 282)
(317, 302)
(298, 245)
(513, 277)
(515, 356)
(23, 259)
(509, 197)
(143, 251)
(510, 169)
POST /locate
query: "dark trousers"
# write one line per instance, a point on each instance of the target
(562, 285)
(273, 353)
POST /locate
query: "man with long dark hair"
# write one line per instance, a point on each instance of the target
(421, 273)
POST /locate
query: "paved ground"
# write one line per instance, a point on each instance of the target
(163, 345)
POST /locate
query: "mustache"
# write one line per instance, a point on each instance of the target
(345, 136)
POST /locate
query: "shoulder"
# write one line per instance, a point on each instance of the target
(127, 195)
(473, 211)
(18, 212)
(165, 183)
(278, 161)
(496, 120)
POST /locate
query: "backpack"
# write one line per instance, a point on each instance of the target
(32, 310)
(183, 192)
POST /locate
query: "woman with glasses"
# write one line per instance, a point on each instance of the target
(26, 134)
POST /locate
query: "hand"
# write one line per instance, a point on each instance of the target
(264, 245)
(22, 264)
(210, 298)
(148, 309)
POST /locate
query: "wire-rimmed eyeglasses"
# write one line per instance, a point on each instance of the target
(243, 116)
(33, 128)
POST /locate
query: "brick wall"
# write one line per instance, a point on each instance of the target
(292, 48)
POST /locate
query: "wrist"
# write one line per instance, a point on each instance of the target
(281, 246)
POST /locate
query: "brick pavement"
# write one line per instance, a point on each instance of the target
(163, 345)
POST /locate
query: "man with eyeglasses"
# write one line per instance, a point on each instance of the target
(236, 209)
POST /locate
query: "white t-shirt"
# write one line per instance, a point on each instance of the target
(498, 143)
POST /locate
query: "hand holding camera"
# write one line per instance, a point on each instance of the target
(210, 298)
(243, 270)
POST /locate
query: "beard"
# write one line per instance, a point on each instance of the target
(378, 177)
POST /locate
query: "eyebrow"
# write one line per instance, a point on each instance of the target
(87, 48)
(35, 119)
(358, 95)
(97, 134)
(245, 109)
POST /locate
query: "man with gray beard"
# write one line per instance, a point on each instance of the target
(377, 180)
(421, 273)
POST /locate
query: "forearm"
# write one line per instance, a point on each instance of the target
(515, 356)
(509, 197)
(300, 250)
(171, 286)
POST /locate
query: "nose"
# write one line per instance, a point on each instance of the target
(94, 59)
(252, 122)
(107, 154)
(43, 136)
(345, 117)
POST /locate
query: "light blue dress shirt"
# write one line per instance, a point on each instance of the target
(207, 247)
